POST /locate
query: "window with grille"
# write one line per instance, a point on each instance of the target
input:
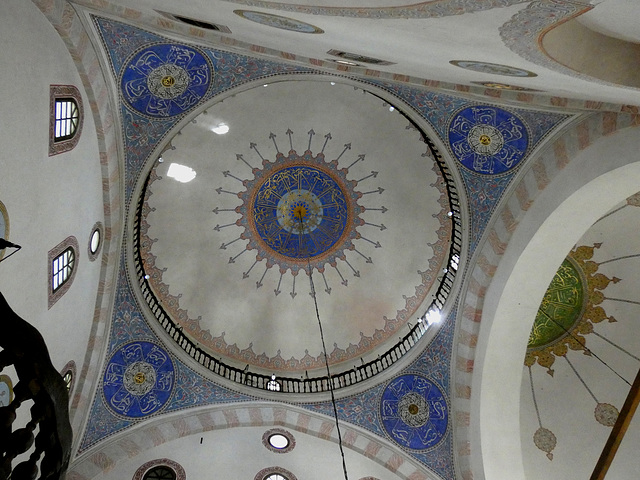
(66, 116)
(161, 472)
(65, 123)
(62, 267)
(63, 263)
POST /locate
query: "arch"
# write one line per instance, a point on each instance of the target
(550, 228)
(66, 22)
(136, 442)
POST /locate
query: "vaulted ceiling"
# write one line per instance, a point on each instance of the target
(443, 156)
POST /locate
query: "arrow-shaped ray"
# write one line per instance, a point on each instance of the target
(259, 282)
(379, 190)
(225, 245)
(327, 137)
(356, 273)
(344, 282)
(272, 136)
(246, 274)
(381, 226)
(360, 157)
(218, 210)
(373, 174)
(369, 260)
(217, 228)
(347, 146)
(326, 285)
(311, 134)
(376, 244)
(233, 259)
(241, 158)
(219, 190)
(277, 289)
(289, 132)
(227, 173)
(382, 209)
(293, 292)
(255, 147)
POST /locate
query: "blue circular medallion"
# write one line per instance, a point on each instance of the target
(300, 212)
(166, 80)
(414, 412)
(488, 140)
(138, 379)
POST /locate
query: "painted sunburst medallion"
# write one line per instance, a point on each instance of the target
(300, 210)
(568, 309)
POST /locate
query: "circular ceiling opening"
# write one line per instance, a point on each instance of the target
(317, 188)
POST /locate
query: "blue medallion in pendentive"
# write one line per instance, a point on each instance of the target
(488, 140)
(165, 80)
(414, 412)
(138, 380)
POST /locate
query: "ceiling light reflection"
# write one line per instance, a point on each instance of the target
(181, 173)
(220, 129)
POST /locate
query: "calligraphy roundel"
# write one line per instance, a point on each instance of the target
(414, 412)
(488, 140)
(165, 80)
(300, 211)
(138, 379)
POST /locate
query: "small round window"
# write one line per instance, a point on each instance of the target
(95, 241)
(278, 440)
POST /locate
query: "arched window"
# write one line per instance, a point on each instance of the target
(160, 469)
(63, 262)
(62, 267)
(275, 473)
(69, 376)
(160, 472)
(65, 121)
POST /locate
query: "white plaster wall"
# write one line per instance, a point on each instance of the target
(238, 453)
(47, 198)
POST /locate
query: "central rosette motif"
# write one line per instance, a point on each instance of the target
(300, 211)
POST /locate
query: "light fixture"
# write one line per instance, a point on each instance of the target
(391, 108)
(181, 173)
(220, 129)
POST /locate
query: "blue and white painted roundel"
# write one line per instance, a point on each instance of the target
(138, 380)
(166, 80)
(414, 412)
(488, 140)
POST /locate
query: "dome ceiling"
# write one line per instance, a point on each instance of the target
(309, 174)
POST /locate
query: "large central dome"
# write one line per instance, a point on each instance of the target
(308, 176)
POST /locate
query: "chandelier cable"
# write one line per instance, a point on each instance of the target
(326, 358)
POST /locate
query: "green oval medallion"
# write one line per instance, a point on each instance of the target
(561, 307)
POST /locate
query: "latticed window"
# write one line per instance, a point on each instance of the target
(67, 117)
(62, 267)
(63, 263)
(65, 121)
(161, 472)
